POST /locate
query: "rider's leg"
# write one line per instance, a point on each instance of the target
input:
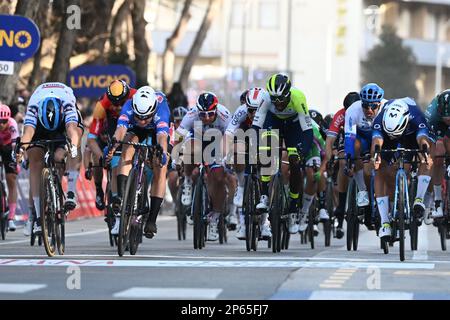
(36, 160)
(437, 151)
(191, 148)
(382, 198)
(11, 181)
(157, 192)
(342, 184)
(239, 168)
(125, 164)
(73, 170)
(172, 181)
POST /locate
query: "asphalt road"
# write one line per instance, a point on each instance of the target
(165, 268)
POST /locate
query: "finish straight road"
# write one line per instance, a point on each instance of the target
(165, 268)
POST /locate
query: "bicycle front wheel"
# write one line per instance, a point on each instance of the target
(401, 217)
(3, 205)
(48, 204)
(127, 210)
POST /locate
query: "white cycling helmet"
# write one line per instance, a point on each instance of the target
(396, 118)
(255, 98)
(144, 103)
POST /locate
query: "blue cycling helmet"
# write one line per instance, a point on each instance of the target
(49, 113)
(371, 92)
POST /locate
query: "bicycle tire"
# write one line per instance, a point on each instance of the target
(275, 214)
(109, 214)
(138, 217)
(327, 232)
(221, 226)
(355, 234)
(401, 218)
(442, 228)
(328, 225)
(197, 215)
(413, 233)
(126, 213)
(178, 214)
(248, 216)
(47, 204)
(134, 238)
(60, 220)
(311, 219)
(3, 217)
(351, 213)
(384, 246)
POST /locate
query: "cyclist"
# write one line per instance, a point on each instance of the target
(358, 135)
(172, 176)
(242, 119)
(8, 135)
(52, 113)
(104, 123)
(438, 118)
(208, 117)
(288, 113)
(144, 116)
(400, 123)
(335, 141)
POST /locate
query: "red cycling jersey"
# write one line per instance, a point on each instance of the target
(103, 111)
(337, 124)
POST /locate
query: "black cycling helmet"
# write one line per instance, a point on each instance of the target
(351, 98)
(242, 97)
(443, 103)
(118, 92)
(327, 121)
(207, 101)
(279, 86)
(179, 113)
(316, 116)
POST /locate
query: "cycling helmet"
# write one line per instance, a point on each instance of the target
(443, 103)
(5, 112)
(316, 116)
(351, 98)
(207, 101)
(118, 92)
(179, 113)
(254, 98)
(242, 97)
(145, 102)
(49, 113)
(327, 121)
(396, 118)
(279, 85)
(371, 92)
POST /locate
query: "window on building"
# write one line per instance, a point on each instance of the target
(430, 25)
(240, 11)
(269, 14)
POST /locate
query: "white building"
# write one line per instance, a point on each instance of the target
(320, 43)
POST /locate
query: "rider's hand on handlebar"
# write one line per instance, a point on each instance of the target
(376, 161)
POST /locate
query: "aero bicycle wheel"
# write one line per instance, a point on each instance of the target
(3, 205)
(275, 214)
(248, 213)
(311, 219)
(127, 210)
(60, 223)
(197, 214)
(401, 216)
(351, 210)
(47, 204)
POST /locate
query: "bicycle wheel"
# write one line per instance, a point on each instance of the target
(221, 226)
(248, 213)
(3, 217)
(413, 232)
(197, 214)
(135, 232)
(109, 214)
(352, 217)
(60, 221)
(401, 217)
(329, 205)
(137, 216)
(311, 219)
(127, 210)
(179, 214)
(47, 204)
(275, 214)
(442, 228)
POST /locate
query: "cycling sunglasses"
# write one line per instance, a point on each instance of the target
(278, 99)
(371, 105)
(142, 118)
(206, 114)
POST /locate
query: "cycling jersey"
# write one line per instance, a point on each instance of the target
(105, 117)
(317, 151)
(10, 134)
(358, 126)
(296, 109)
(188, 127)
(57, 90)
(240, 119)
(337, 124)
(159, 124)
(417, 124)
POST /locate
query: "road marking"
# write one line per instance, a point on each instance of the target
(211, 264)
(70, 235)
(422, 273)
(168, 293)
(340, 276)
(422, 244)
(329, 286)
(335, 281)
(20, 288)
(360, 295)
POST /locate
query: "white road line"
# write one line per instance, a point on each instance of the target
(422, 245)
(211, 264)
(70, 235)
(20, 288)
(360, 295)
(324, 285)
(168, 293)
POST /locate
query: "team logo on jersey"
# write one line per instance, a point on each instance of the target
(422, 126)
(377, 127)
(162, 124)
(160, 99)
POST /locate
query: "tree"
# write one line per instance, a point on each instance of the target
(211, 11)
(171, 43)
(8, 83)
(392, 66)
(61, 64)
(141, 49)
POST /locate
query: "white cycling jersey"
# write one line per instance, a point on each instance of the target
(48, 90)
(239, 117)
(188, 124)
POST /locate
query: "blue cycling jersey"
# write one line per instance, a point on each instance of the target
(160, 121)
